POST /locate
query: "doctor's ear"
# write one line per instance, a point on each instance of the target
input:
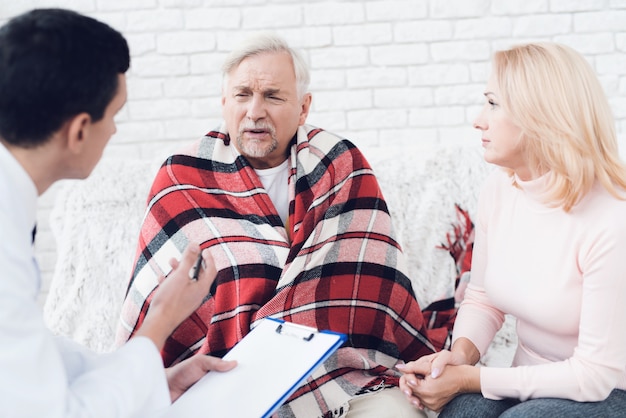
(78, 131)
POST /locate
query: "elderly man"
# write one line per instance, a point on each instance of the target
(298, 228)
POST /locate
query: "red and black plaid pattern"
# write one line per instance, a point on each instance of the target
(460, 244)
(338, 267)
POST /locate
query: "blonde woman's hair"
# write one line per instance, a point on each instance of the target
(554, 96)
(268, 42)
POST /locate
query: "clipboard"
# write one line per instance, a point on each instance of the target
(273, 360)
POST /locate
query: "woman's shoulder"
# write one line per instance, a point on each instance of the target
(602, 205)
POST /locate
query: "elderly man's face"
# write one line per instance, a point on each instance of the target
(262, 109)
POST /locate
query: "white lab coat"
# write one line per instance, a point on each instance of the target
(46, 376)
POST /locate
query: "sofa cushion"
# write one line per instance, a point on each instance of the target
(96, 226)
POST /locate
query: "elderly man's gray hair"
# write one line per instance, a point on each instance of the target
(268, 42)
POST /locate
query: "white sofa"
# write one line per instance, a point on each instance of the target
(96, 224)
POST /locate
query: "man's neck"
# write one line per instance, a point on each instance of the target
(38, 162)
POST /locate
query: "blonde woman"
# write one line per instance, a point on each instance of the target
(550, 250)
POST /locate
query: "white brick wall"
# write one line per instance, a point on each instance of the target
(384, 72)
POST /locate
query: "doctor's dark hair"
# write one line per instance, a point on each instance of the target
(54, 65)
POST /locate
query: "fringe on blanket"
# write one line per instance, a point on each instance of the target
(459, 242)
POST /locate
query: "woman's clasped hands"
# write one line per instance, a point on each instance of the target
(434, 380)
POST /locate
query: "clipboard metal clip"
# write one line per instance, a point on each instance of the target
(295, 330)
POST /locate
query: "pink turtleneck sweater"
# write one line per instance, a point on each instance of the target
(563, 276)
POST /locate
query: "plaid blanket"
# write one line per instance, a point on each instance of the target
(336, 266)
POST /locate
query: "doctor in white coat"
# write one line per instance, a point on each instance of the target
(61, 83)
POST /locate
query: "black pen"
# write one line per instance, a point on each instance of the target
(196, 271)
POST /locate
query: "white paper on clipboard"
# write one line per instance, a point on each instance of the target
(273, 360)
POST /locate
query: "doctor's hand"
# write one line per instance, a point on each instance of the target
(181, 376)
(178, 295)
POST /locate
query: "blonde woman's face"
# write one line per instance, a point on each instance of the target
(501, 138)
